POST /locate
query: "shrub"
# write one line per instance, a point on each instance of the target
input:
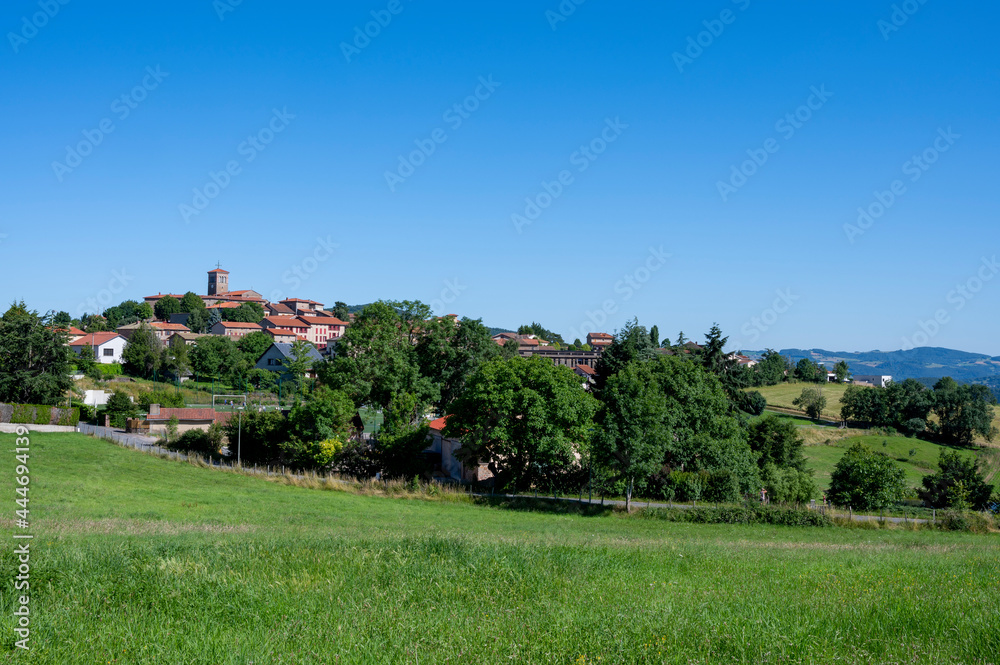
(865, 479)
(958, 484)
(752, 402)
(24, 414)
(787, 485)
(43, 415)
(109, 370)
(259, 438)
(83, 412)
(198, 441)
(311, 455)
(120, 408)
(718, 486)
(69, 417)
(964, 520)
(168, 399)
(749, 514)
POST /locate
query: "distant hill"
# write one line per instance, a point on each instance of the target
(923, 363)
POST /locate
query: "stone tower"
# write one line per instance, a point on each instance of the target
(218, 282)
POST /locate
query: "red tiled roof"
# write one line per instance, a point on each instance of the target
(239, 324)
(164, 295)
(527, 341)
(276, 333)
(95, 339)
(278, 308)
(160, 325)
(185, 414)
(586, 369)
(224, 305)
(218, 270)
(284, 321)
(438, 423)
(322, 320)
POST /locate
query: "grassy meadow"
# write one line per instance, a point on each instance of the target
(142, 560)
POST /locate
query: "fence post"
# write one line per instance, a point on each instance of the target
(934, 516)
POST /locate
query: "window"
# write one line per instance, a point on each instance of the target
(109, 352)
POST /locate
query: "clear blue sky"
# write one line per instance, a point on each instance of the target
(71, 227)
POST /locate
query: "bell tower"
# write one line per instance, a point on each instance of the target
(218, 281)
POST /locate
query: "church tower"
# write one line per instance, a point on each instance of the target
(218, 282)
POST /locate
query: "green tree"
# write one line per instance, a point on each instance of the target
(807, 370)
(633, 427)
(777, 442)
(86, 361)
(257, 436)
(142, 352)
(248, 312)
(166, 306)
(34, 359)
(341, 311)
(865, 479)
(541, 331)
(812, 401)
(200, 320)
(217, 357)
(191, 302)
(324, 414)
(120, 407)
(62, 320)
(630, 344)
(958, 480)
(842, 371)
(300, 363)
(770, 370)
(253, 345)
(449, 353)
(704, 432)
(681, 339)
(175, 357)
(963, 411)
(654, 337)
(376, 358)
(523, 417)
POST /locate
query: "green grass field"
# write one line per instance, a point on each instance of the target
(142, 560)
(783, 394)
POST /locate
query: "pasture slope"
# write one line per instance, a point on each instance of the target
(142, 560)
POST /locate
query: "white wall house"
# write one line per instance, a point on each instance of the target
(107, 346)
(877, 380)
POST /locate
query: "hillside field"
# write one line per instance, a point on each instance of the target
(142, 560)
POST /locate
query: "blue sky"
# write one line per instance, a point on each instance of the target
(585, 111)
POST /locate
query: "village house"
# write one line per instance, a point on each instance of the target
(235, 330)
(441, 452)
(107, 346)
(187, 419)
(599, 340)
(278, 354)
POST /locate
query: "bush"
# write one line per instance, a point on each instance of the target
(751, 402)
(787, 485)
(43, 415)
(199, 441)
(24, 414)
(964, 520)
(958, 484)
(750, 514)
(259, 439)
(168, 399)
(109, 370)
(69, 417)
(865, 479)
(719, 486)
(120, 408)
(317, 455)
